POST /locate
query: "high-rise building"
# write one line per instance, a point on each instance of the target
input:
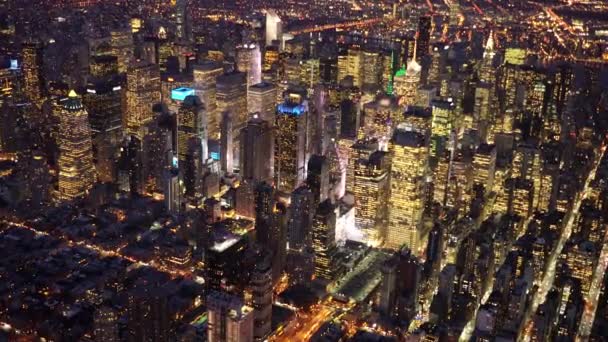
(274, 29)
(324, 241)
(409, 158)
(205, 82)
(143, 91)
(291, 142)
(261, 291)
(354, 60)
(33, 81)
(257, 150)
(122, 47)
(262, 99)
(370, 188)
(371, 72)
(300, 218)
(232, 97)
(76, 169)
(182, 22)
(406, 82)
(102, 101)
(423, 38)
(249, 61)
(230, 320)
(227, 143)
(191, 123)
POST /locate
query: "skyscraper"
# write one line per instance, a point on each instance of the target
(290, 147)
(122, 47)
(261, 288)
(205, 82)
(191, 123)
(230, 320)
(409, 155)
(76, 169)
(406, 82)
(249, 61)
(143, 91)
(33, 81)
(232, 97)
(273, 27)
(102, 101)
(227, 143)
(324, 241)
(262, 99)
(423, 37)
(257, 150)
(370, 187)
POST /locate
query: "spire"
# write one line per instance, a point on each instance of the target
(489, 44)
(72, 94)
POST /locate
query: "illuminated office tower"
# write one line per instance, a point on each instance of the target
(232, 97)
(274, 29)
(143, 91)
(521, 191)
(182, 22)
(417, 119)
(300, 218)
(75, 164)
(310, 73)
(443, 116)
(406, 82)
(172, 188)
(33, 81)
(227, 143)
(527, 164)
(257, 150)
(460, 181)
(324, 240)
(425, 95)
(291, 142)
(342, 66)
(103, 66)
(484, 165)
(191, 123)
(380, 116)
(482, 115)
(371, 72)
(249, 61)
(271, 57)
(423, 37)
(388, 67)
(441, 173)
(439, 54)
(229, 319)
(103, 103)
(262, 99)
(581, 260)
(261, 289)
(370, 186)
(354, 66)
(292, 70)
(205, 75)
(409, 154)
(122, 47)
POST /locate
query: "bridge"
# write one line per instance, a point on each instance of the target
(342, 25)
